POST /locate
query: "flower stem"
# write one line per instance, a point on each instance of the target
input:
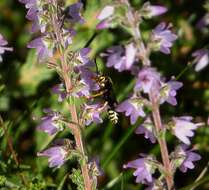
(162, 142)
(74, 126)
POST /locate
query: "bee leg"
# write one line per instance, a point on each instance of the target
(97, 94)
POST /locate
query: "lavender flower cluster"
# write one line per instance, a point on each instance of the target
(151, 91)
(55, 22)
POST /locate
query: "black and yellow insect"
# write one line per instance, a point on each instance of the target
(106, 93)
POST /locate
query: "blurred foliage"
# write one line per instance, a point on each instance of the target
(25, 89)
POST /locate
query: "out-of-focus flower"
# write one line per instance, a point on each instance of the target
(92, 113)
(163, 38)
(132, 107)
(149, 11)
(148, 80)
(147, 129)
(183, 128)
(41, 49)
(185, 158)
(203, 22)
(51, 123)
(201, 58)
(121, 58)
(32, 13)
(72, 13)
(56, 155)
(105, 17)
(168, 92)
(144, 170)
(3, 47)
(60, 91)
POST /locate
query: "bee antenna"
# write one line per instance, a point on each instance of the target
(97, 70)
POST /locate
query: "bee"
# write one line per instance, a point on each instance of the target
(106, 93)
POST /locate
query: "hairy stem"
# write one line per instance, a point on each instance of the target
(143, 51)
(65, 70)
(162, 142)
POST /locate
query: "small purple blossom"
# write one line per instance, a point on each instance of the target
(132, 107)
(3, 47)
(149, 11)
(147, 129)
(143, 171)
(72, 13)
(203, 22)
(183, 128)
(56, 156)
(92, 113)
(42, 50)
(186, 158)
(121, 58)
(168, 92)
(105, 17)
(148, 80)
(60, 91)
(32, 13)
(51, 123)
(163, 38)
(201, 58)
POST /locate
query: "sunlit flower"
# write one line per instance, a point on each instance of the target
(132, 107)
(183, 128)
(56, 155)
(201, 58)
(147, 129)
(148, 80)
(168, 92)
(149, 11)
(105, 17)
(121, 58)
(163, 38)
(144, 170)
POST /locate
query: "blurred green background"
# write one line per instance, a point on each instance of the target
(25, 89)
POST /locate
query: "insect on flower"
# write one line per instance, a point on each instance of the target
(106, 93)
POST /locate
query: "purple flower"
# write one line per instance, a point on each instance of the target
(186, 157)
(163, 38)
(42, 50)
(149, 11)
(51, 123)
(203, 22)
(121, 58)
(60, 91)
(32, 13)
(201, 58)
(56, 155)
(144, 170)
(92, 113)
(183, 128)
(132, 107)
(105, 17)
(147, 129)
(3, 46)
(168, 92)
(148, 80)
(72, 13)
